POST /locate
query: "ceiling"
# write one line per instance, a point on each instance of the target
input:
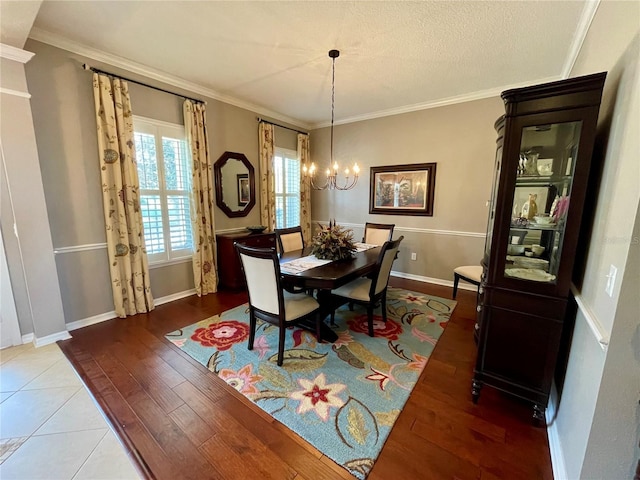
(272, 57)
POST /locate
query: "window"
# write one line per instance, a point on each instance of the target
(164, 172)
(287, 177)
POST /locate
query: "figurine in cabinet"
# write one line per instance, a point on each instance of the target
(530, 208)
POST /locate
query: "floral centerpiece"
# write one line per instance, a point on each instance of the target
(333, 243)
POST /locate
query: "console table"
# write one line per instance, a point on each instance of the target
(229, 269)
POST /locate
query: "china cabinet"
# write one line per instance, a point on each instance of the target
(543, 156)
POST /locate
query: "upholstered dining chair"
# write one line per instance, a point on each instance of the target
(377, 233)
(368, 291)
(289, 239)
(268, 301)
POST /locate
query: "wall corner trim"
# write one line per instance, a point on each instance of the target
(588, 12)
(598, 330)
(555, 445)
(54, 337)
(14, 53)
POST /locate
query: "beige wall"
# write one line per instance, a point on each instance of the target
(64, 122)
(460, 139)
(598, 419)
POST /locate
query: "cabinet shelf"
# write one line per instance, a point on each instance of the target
(539, 181)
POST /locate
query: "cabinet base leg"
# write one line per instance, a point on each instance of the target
(538, 415)
(476, 386)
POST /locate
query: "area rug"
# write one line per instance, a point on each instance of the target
(341, 397)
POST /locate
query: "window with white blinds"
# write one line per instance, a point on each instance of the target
(164, 172)
(287, 178)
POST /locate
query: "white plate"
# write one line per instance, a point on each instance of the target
(529, 274)
(529, 262)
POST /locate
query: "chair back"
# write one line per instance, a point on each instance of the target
(377, 233)
(261, 270)
(383, 268)
(289, 239)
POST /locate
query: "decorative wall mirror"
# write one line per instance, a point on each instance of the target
(235, 184)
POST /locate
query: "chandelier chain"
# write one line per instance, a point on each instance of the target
(331, 182)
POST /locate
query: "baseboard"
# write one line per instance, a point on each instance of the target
(435, 281)
(28, 338)
(85, 322)
(555, 446)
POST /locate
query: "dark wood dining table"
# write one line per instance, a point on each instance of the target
(327, 277)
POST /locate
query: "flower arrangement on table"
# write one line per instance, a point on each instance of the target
(333, 242)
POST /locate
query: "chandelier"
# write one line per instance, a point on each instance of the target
(332, 182)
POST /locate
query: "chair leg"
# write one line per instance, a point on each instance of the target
(318, 327)
(370, 318)
(351, 306)
(456, 279)
(383, 305)
(252, 329)
(333, 317)
(283, 330)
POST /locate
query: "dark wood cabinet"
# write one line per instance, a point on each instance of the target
(229, 269)
(543, 157)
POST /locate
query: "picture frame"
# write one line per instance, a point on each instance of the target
(402, 189)
(243, 189)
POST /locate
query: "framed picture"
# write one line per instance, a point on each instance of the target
(403, 189)
(243, 189)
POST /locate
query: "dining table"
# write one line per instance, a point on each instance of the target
(325, 278)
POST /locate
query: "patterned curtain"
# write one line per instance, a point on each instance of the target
(204, 272)
(128, 263)
(305, 188)
(267, 179)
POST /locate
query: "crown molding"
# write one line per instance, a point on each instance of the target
(467, 97)
(15, 54)
(59, 41)
(588, 12)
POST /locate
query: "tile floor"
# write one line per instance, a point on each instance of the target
(50, 427)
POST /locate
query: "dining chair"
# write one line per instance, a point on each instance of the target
(268, 301)
(377, 233)
(289, 239)
(368, 291)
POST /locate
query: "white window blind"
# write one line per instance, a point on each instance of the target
(165, 185)
(287, 179)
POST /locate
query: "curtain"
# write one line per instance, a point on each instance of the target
(267, 180)
(128, 263)
(305, 188)
(202, 192)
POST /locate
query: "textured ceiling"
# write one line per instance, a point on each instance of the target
(394, 55)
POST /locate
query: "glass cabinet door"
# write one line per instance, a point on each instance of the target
(540, 201)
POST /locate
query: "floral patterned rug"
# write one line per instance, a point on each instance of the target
(341, 397)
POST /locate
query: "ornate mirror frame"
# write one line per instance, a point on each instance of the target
(217, 170)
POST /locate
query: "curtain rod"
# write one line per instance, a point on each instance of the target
(262, 120)
(96, 70)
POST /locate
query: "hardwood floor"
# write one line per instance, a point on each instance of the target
(181, 421)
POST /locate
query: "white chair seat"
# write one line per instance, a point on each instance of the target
(357, 289)
(297, 305)
(469, 272)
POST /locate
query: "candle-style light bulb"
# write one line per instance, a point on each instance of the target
(304, 169)
(356, 169)
(335, 166)
(346, 172)
(328, 172)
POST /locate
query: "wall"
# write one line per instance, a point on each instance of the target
(64, 123)
(24, 222)
(460, 139)
(597, 427)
